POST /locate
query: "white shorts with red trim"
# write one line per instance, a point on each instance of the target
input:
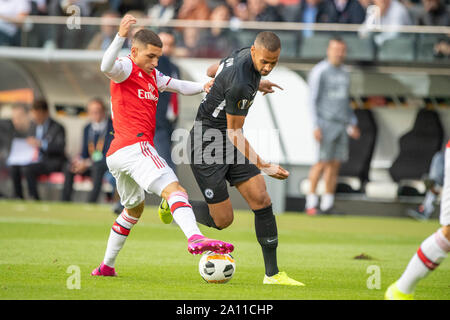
(137, 169)
(444, 217)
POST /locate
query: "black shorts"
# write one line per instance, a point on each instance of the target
(212, 176)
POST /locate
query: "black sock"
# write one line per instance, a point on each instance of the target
(267, 235)
(202, 215)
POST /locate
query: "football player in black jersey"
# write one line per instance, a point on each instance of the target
(220, 152)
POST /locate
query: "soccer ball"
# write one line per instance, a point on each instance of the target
(216, 268)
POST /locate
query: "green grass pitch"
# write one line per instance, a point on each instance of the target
(39, 242)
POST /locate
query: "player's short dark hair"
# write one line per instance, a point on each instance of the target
(39, 105)
(147, 36)
(268, 40)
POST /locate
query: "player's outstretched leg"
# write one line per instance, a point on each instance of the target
(184, 216)
(427, 258)
(117, 237)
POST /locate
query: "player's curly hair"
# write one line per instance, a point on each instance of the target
(147, 36)
(268, 40)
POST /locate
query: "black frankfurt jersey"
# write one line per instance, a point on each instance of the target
(235, 86)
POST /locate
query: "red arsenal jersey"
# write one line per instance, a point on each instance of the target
(133, 106)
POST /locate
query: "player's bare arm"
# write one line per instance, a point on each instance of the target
(212, 70)
(235, 124)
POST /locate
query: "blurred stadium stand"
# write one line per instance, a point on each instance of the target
(390, 84)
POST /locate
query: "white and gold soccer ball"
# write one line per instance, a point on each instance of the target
(216, 268)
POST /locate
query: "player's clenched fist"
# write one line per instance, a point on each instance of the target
(125, 24)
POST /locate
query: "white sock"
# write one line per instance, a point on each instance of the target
(182, 213)
(327, 201)
(428, 257)
(428, 203)
(312, 200)
(119, 233)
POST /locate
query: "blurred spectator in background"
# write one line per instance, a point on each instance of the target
(12, 14)
(38, 33)
(333, 120)
(239, 10)
(260, 10)
(48, 138)
(19, 125)
(108, 31)
(123, 6)
(97, 136)
(63, 7)
(365, 3)
(167, 108)
(194, 10)
(289, 8)
(390, 13)
(163, 11)
(63, 36)
(192, 43)
(221, 41)
(434, 13)
(442, 48)
(433, 183)
(38, 7)
(310, 11)
(16, 127)
(343, 11)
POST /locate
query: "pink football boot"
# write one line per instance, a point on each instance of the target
(104, 270)
(198, 244)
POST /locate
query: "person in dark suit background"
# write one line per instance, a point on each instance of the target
(343, 11)
(167, 108)
(16, 127)
(49, 139)
(97, 136)
(310, 11)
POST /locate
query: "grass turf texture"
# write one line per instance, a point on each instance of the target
(39, 241)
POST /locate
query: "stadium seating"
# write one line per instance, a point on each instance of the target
(315, 46)
(399, 48)
(424, 46)
(289, 43)
(55, 181)
(360, 154)
(246, 37)
(358, 48)
(417, 148)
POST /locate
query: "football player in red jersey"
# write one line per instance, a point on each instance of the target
(132, 159)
